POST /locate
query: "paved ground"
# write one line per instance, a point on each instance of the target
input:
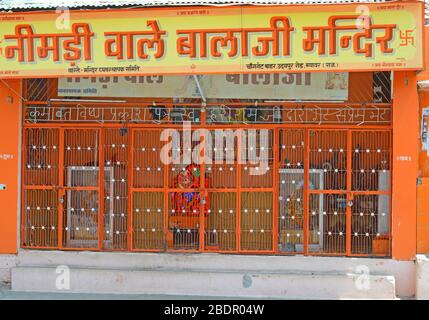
(7, 294)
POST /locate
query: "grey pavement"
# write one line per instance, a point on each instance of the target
(7, 294)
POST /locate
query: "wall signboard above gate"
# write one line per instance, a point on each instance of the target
(239, 39)
(288, 86)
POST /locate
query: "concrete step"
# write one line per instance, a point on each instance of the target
(262, 284)
(422, 277)
(7, 262)
(208, 274)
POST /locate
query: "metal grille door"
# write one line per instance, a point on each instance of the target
(79, 196)
(257, 222)
(321, 191)
(327, 182)
(291, 202)
(39, 222)
(370, 185)
(115, 174)
(221, 172)
(149, 192)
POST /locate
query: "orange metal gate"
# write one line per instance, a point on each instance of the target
(93, 179)
(325, 191)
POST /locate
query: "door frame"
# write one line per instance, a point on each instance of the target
(350, 194)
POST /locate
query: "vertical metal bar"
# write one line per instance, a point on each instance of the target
(390, 187)
(101, 185)
(203, 190)
(349, 193)
(166, 195)
(61, 192)
(23, 158)
(306, 178)
(203, 194)
(130, 193)
(238, 193)
(200, 90)
(203, 115)
(275, 195)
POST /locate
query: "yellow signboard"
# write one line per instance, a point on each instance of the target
(188, 40)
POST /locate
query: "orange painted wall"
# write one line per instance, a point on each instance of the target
(423, 187)
(405, 164)
(9, 169)
(423, 155)
(423, 216)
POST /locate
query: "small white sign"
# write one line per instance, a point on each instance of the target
(424, 129)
